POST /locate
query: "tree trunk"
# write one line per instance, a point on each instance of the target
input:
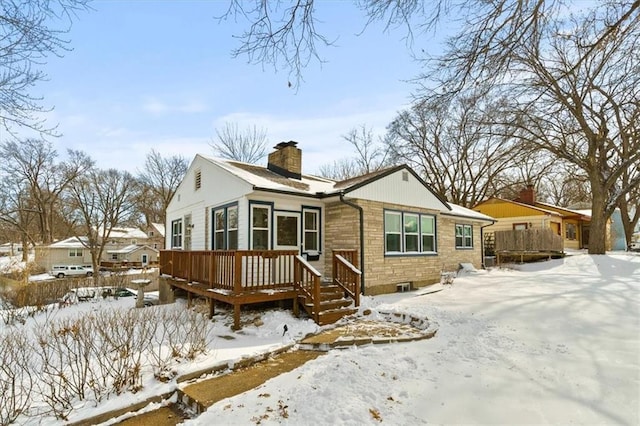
(598, 228)
(25, 247)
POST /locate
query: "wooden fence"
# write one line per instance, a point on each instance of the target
(528, 240)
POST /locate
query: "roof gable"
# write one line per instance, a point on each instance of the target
(397, 185)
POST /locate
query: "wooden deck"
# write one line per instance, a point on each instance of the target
(243, 277)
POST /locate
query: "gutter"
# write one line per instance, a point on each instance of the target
(361, 213)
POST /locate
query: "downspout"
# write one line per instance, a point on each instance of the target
(482, 243)
(361, 213)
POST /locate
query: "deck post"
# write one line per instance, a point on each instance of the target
(212, 270)
(188, 299)
(237, 273)
(212, 307)
(189, 266)
(236, 316)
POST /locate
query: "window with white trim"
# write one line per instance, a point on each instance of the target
(176, 233)
(75, 252)
(410, 233)
(428, 233)
(260, 227)
(392, 232)
(311, 232)
(464, 236)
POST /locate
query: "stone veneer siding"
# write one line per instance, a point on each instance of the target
(384, 273)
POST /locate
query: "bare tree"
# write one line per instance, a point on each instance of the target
(35, 162)
(450, 145)
(29, 36)
(573, 77)
(370, 156)
(17, 211)
(102, 200)
(248, 145)
(342, 169)
(159, 180)
(580, 103)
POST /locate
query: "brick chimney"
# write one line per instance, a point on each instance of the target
(528, 195)
(286, 160)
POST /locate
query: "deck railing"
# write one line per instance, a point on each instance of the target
(233, 270)
(308, 283)
(351, 255)
(347, 276)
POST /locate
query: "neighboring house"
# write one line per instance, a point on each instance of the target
(121, 236)
(10, 249)
(135, 254)
(71, 251)
(155, 236)
(525, 212)
(124, 245)
(405, 235)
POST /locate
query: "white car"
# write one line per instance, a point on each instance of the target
(61, 271)
(634, 246)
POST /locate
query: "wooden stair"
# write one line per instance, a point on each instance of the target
(333, 305)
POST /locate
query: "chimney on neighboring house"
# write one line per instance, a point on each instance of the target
(528, 195)
(286, 160)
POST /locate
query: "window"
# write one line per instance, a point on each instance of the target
(198, 179)
(428, 233)
(114, 256)
(520, 226)
(75, 252)
(225, 228)
(464, 236)
(411, 235)
(392, 232)
(570, 231)
(176, 233)
(311, 232)
(409, 232)
(260, 229)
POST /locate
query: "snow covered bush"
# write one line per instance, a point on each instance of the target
(16, 379)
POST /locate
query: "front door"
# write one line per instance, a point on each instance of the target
(287, 231)
(145, 260)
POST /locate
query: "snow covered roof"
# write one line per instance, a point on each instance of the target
(124, 233)
(586, 213)
(71, 242)
(130, 248)
(262, 178)
(460, 211)
(159, 227)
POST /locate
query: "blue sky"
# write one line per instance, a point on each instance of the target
(159, 74)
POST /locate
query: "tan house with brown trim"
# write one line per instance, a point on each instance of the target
(405, 235)
(525, 212)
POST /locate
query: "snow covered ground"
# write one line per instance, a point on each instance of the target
(549, 343)
(552, 343)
